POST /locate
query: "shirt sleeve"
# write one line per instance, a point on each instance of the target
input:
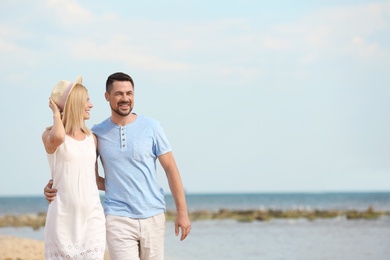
(161, 145)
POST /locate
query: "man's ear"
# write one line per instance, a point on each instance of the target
(106, 95)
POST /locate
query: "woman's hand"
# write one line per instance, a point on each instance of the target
(54, 107)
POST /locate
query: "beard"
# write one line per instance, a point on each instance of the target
(119, 112)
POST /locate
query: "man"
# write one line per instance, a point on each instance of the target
(128, 146)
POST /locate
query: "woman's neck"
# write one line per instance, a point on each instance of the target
(78, 135)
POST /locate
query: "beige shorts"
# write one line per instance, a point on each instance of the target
(129, 238)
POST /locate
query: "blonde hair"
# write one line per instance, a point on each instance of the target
(73, 114)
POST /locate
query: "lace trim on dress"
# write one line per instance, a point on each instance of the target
(91, 250)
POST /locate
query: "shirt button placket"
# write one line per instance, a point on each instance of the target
(123, 138)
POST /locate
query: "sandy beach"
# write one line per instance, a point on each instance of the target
(13, 248)
(16, 248)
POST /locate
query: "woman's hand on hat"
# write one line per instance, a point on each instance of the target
(54, 107)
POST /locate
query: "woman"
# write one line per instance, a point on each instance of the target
(75, 223)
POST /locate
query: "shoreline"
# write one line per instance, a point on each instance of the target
(37, 220)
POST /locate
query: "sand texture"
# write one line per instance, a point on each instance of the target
(16, 248)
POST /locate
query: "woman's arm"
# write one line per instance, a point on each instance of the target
(55, 136)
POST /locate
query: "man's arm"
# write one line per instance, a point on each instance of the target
(49, 192)
(175, 184)
(99, 180)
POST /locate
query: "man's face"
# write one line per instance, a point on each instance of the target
(121, 97)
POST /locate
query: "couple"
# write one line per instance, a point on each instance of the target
(128, 145)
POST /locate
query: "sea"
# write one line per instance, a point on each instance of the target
(333, 239)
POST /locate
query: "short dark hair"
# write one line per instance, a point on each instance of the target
(117, 76)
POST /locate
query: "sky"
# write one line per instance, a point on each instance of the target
(254, 96)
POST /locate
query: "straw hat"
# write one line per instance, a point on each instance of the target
(62, 91)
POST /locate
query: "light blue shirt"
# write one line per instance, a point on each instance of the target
(128, 155)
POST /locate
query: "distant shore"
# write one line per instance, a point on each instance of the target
(37, 221)
(269, 214)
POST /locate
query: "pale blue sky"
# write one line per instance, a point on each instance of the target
(255, 96)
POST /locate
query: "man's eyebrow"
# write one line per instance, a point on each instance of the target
(121, 92)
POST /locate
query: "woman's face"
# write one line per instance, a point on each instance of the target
(87, 110)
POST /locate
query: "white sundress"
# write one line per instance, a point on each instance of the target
(75, 222)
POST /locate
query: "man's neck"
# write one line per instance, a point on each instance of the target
(123, 120)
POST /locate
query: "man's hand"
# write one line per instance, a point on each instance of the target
(49, 192)
(182, 222)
